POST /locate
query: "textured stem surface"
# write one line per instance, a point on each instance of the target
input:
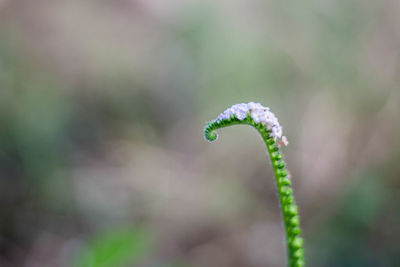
(294, 242)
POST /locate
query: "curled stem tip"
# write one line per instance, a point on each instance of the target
(267, 125)
(209, 133)
(211, 136)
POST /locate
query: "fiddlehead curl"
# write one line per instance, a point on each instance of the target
(210, 129)
(267, 125)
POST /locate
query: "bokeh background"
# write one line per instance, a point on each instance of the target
(102, 109)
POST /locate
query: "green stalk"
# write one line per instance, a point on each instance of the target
(291, 220)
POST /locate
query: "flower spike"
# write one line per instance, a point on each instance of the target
(266, 123)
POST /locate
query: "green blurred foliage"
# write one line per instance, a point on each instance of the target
(117, 247)
(358, 212)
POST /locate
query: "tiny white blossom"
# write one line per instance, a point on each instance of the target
(285, 141)
(228, 112)
(269, 118)
(240, 111)
(254, 106)
(276, 131)
(257, 115)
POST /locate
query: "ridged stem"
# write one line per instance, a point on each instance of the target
(291, 220)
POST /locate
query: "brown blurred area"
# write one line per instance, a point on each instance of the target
(102, 109)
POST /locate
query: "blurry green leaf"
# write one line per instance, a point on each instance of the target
(118, 247)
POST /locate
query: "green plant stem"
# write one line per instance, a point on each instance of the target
(291, 220)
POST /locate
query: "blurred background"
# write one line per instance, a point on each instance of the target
(102, 109)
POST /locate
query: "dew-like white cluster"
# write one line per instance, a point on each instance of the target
(258, 113)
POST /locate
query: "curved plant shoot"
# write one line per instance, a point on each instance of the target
(266, 123)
